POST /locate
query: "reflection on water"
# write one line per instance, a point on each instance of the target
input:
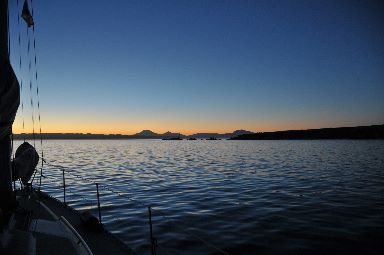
(245, 197)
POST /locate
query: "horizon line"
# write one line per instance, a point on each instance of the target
(160, 133)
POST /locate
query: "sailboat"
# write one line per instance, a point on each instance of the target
(32, 222)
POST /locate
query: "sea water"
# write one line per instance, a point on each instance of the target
(234, 197)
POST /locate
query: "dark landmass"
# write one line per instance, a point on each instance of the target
(145, 134)
(362, 132)
(148, 134)
(221, 136)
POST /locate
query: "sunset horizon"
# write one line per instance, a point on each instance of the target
(201, 67)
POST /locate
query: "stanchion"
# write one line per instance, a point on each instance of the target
(153, 240)
(41, 170)
(98, 201)
(64, 187)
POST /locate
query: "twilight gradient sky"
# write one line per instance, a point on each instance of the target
(204, 66)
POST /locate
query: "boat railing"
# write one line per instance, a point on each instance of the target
(153, 241)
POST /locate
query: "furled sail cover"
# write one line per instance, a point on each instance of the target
(26, 160)
(26, 14)
(9, 98)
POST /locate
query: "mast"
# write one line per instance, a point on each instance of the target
(6, 194)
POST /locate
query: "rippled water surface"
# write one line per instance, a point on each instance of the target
(236, 197)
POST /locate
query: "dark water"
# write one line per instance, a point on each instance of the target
(242, 197)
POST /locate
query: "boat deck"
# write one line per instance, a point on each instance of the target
(35, 224)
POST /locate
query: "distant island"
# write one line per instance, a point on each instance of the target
(361, 132)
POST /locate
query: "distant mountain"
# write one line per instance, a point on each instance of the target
(146, 133)
(240, 132)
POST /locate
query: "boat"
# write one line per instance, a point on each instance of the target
(172, 138)
(32, 222)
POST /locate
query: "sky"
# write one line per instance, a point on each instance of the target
(201, 66)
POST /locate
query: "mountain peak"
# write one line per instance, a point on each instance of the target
(146, 132)
(242, 132)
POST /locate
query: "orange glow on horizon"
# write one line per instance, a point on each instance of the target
(186, 128)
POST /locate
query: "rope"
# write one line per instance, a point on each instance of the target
(31, 86)
(20, 69)
(34, 174)
(37, 95)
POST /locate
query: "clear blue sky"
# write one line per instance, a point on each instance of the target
(123, 66)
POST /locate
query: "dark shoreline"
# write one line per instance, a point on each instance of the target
(358, 133)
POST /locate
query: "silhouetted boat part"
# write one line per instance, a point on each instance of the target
(43, 225)
(211, 139)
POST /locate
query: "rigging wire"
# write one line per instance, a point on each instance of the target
(29, 20)
(9, 58)
(37, 95)
(20, 69)
(91, 202)
(31, 85)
